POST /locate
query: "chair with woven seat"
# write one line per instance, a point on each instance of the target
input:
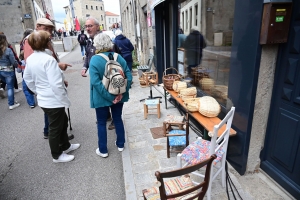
(202, 149)
(176, 129)
(180, 187)
(145, 68)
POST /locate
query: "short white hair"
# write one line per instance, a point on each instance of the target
(93, 19)
(102, 42)
(118, 32)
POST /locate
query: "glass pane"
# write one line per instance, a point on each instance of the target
(204, 45)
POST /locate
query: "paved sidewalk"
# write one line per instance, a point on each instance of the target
(144, 155)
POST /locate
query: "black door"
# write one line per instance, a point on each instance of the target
(281, 154)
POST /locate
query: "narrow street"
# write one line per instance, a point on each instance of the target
(26, 167)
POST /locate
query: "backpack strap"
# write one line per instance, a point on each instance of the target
(103, 56)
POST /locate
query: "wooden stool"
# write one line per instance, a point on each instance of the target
(151, 103)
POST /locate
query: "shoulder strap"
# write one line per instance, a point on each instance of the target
(115, 56)
(103, 56)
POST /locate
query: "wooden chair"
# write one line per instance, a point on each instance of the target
(177, 132)
(182, 186)
(201, 149)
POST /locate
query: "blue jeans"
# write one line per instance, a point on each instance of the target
(102, 114)
(82, 47)
(29, 97)
(9, 78)
(46, 126)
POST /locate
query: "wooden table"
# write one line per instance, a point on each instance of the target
(207, 123)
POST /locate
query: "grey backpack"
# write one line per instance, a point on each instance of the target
(114, 79)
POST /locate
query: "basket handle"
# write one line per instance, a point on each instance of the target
(170, 68)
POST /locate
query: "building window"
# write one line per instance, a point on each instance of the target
(196, 15)
(86, 7)
(108, 20)
(100, 7)
(87, 15)
(101, 18)
(92, 8)
(112, 19)
(96, 7)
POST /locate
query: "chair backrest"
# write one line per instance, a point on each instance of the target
(150, 61)
(222, 141)
(183, 171)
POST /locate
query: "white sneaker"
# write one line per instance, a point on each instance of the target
(103, 155)
(18, 90)
(119, 149)
(64, 158)
(14, 106)
(2, 93)
(72, 148)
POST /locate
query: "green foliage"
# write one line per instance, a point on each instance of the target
(135, 62)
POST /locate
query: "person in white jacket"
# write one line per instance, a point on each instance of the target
(44, 77)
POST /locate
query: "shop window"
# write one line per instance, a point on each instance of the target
(204, 45)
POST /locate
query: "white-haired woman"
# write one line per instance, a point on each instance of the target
(125, 46)
(102, 100)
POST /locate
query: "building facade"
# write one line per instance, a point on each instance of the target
(111, 18)
(261, 80)
(17, 15)
(86, 8)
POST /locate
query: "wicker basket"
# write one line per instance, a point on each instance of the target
(179, 85)
(192, 106)
(206, 83)
(168, 79)
(188, 91)
(184, 97)
(220, 91)
(209, 107)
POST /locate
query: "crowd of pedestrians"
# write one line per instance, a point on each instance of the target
(43, 79)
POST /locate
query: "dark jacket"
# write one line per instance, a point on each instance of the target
(85, 39)
(125, 46)
(89, 52)
(193, 44)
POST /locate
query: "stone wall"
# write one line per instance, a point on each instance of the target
(262, 105)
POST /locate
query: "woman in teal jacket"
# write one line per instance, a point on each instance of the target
(102, 100)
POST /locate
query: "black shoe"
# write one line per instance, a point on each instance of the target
(70, 136)
(111, 126)
(45, 136)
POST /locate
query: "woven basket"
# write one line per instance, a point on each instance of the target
(220, 91)
(192, 106)
(168, 79)
(206, 83)
(188, 91)
(179, 85)
(184, 97)
(209, 107)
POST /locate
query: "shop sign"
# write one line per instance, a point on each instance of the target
(27, 16)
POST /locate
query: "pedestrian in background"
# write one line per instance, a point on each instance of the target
(125, 47)
(7, 73)
(45, 78)
(102, 100)
(82, 39)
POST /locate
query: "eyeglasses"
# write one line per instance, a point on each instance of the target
(89, 26)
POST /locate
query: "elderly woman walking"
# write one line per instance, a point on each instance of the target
(7, 73)
(102, 100)
(44, 77)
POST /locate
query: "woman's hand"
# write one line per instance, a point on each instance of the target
(118, 99)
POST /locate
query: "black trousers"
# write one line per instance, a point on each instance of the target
(58, 125)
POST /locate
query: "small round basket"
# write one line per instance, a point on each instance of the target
(168, 79)
(209, 107)
(179, 85)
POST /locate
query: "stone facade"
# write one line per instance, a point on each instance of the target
(90, 8)
(135, 27)
(12, 13)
